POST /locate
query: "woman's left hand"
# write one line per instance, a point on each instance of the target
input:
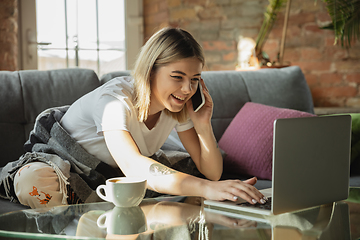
(203, 116)
(200, 141)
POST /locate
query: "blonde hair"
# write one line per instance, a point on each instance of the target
(166, 46)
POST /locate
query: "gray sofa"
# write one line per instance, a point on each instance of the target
(24, 94)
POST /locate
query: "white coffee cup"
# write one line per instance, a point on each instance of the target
(123, 221)
(123, 191)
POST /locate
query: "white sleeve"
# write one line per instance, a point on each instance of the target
(181, 127)
(110, 113)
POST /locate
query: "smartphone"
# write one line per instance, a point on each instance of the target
(198, 99)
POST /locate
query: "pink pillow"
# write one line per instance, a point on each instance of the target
(248, 140)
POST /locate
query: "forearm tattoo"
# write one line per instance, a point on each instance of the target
(157, 169)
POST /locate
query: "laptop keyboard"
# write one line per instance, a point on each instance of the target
(266, 205)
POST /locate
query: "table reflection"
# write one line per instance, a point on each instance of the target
(123, 221)
(181, 218)
(328, 222)
(160, 218)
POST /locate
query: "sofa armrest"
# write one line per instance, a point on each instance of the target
(335, 110)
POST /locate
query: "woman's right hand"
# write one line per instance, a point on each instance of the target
(232, 190)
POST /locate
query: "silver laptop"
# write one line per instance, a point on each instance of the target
(311, 166)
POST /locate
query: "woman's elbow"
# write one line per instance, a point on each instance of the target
(214, 175)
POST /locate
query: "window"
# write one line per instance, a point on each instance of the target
(81, 33)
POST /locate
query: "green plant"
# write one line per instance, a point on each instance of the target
(345, 16)
(269, 19)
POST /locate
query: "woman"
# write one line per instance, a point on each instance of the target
(128, 119)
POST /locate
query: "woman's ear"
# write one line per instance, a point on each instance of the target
(152, 75)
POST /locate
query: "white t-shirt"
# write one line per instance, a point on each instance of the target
(110, 107)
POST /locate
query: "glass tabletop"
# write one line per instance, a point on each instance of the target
(181, 218)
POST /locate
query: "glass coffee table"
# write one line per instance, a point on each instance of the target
(181, 218)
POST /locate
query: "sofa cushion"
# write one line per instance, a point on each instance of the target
(53, 88)
(11, 99)
(108, 76)
(24, 94)
(230, 90)
(248, 141)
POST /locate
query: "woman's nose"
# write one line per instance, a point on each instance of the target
(186, 87)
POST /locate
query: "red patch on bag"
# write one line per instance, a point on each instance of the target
(46, 199)
(34, 192)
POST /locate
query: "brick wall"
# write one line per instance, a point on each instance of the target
(8, 35)
(333, 73)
